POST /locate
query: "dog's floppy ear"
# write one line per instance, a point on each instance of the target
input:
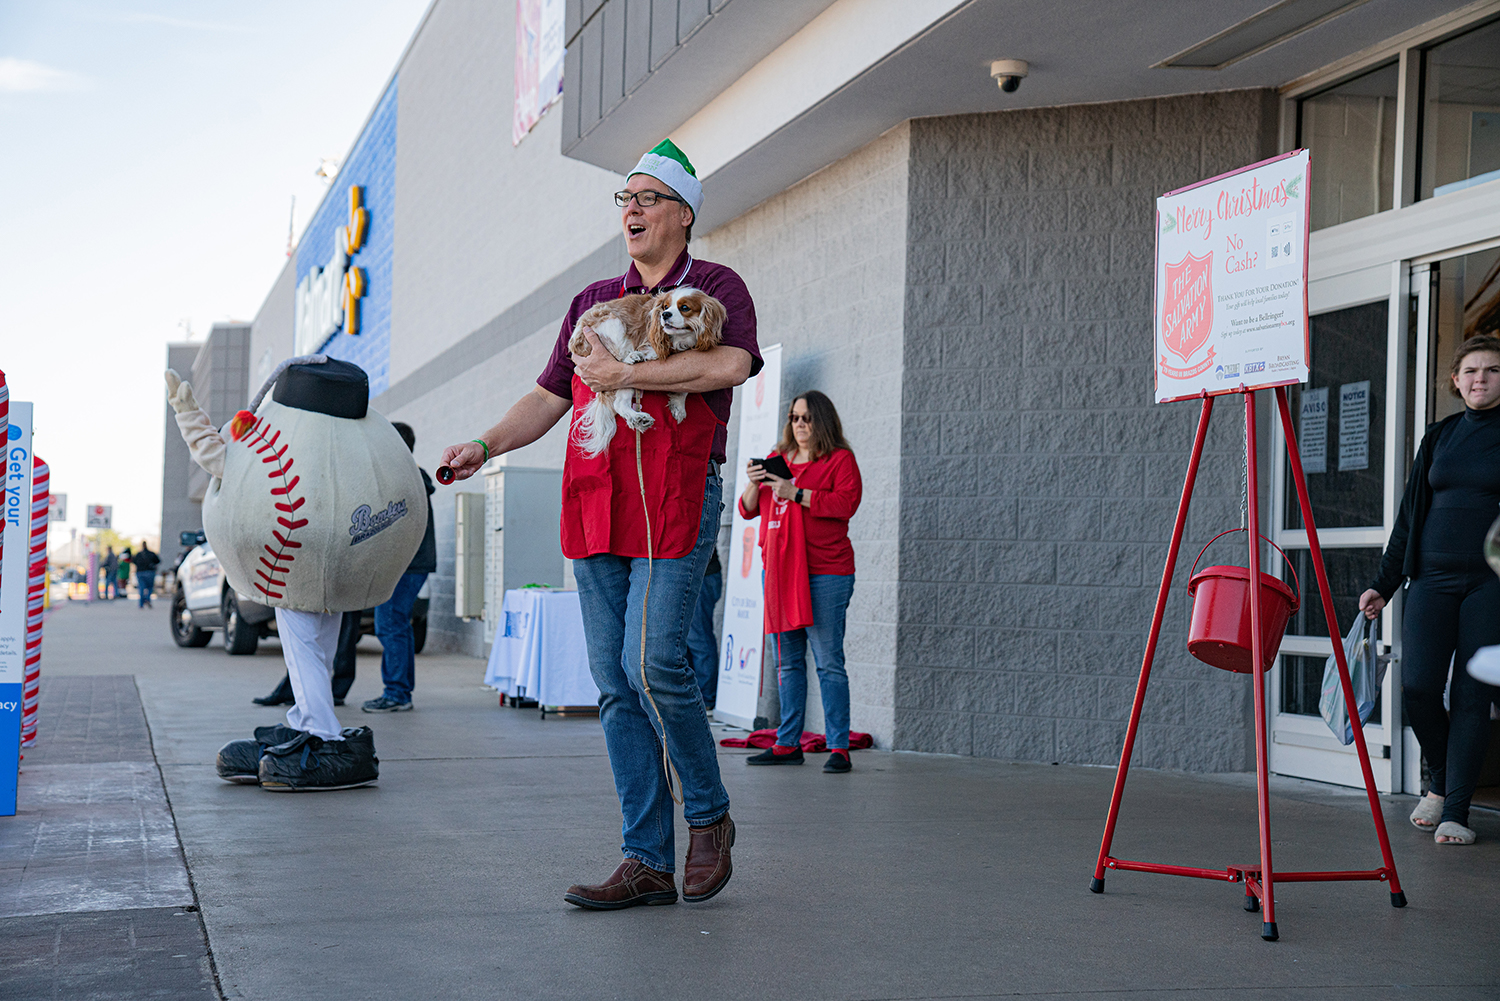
(656, 334)
(711, 326)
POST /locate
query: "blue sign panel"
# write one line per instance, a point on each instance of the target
(328, 278)
(13, 582)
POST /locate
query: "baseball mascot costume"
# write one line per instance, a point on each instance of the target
(316, 507)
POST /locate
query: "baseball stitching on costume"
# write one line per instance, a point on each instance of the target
(276, 562)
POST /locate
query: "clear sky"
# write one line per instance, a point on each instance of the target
(149, 153)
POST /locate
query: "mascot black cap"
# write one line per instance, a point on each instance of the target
(336, 388)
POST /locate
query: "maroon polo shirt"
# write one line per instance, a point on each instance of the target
(715, 279)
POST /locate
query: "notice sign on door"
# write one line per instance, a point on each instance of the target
(1231, 281)
(1354, 426)
(1312, 434)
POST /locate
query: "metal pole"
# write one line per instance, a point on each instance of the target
(1156, 619)
(1398, 898)
(1257, 677)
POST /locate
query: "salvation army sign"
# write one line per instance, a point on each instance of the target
(1188, 316)
(1231, 281)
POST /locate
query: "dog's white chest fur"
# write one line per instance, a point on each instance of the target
(612, 332)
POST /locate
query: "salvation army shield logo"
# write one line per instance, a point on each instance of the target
(1188, 307)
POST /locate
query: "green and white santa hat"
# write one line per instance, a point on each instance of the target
(671, 166)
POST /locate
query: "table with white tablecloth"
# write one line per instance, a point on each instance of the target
(539, 650)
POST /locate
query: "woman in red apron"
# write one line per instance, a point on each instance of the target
(809, 576)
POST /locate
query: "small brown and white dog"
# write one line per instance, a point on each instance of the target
(642, 328)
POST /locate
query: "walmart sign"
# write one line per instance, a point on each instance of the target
(342, 303)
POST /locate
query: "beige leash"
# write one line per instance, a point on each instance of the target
(666, 758)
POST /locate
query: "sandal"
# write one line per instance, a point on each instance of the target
(1458, 833)
(1427, 814)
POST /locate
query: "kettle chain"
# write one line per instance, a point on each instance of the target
(1244, 479)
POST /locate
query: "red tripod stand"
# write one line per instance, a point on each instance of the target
(1259, 879)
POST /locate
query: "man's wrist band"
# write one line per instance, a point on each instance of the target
(481, 444)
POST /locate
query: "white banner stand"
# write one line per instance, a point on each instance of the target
(742, 649)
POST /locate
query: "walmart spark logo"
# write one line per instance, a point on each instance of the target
(329, 297)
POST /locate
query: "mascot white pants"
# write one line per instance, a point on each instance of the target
(308, 642)
(316, 507)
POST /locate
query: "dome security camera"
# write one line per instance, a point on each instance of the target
(1008, 73)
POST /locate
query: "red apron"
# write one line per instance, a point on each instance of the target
(783, 550)
(601, 495)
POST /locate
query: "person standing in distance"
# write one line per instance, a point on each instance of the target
(809, 575)
(649, 700)
(122, 574)
(343, 666)
(146, 563)
(398, 656)
(108, 569)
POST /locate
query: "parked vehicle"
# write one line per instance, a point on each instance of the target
(205, 603)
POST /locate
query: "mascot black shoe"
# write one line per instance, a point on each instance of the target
(312, 764)
(239, 760)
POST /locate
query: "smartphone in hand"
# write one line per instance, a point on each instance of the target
(775, 465)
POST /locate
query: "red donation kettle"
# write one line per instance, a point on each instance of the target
(1219, 633)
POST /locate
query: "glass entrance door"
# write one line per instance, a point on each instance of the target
(1343, 420)
(1357, 440)
(1458, 297)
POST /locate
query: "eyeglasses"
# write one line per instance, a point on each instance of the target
(645, 199)
(799, 419)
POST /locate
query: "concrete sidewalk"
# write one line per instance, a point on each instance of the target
(916, 876)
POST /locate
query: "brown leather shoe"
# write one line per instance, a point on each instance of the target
(708, 867)
(633, 883)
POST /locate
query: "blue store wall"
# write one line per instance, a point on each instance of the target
(371, 165)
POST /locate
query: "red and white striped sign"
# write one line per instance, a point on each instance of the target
(36, 590)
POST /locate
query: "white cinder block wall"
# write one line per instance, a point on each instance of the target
(826, 264)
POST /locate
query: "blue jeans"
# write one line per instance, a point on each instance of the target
(145, 580)
(703, 646)
(611, 593)
(830, 604)
(398, 655)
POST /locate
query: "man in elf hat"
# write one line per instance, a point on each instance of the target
(649, 699)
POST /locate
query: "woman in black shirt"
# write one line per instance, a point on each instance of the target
(1453, 601)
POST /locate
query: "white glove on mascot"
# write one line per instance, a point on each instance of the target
(316, 508)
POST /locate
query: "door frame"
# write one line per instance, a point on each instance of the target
(1303, 746)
